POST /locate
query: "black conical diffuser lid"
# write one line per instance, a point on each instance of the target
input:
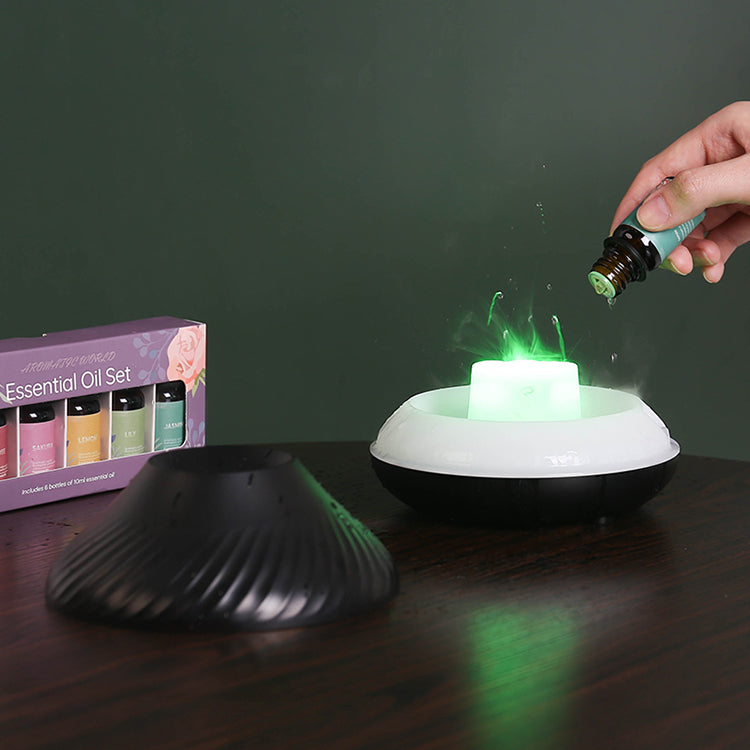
(222, 538)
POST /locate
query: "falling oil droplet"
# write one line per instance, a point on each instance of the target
(549, 287)
(611, 302)
(506, 333)
(495, 298)
(540, 206)
(614, 356)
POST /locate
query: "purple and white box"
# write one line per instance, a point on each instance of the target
(81, 411)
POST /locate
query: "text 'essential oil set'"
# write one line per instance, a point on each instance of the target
(81, 411)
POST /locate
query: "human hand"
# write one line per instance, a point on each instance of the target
(711, 169)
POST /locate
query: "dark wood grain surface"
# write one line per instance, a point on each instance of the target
(631, 635)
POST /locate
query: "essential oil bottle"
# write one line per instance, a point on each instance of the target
(128, 423)
(632, 251)
(37, 447)
(84, 442)
(169, 417)
(3, 446)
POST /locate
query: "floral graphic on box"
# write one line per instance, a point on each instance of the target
(187, 357)
(152, 348)
(177, 354)
(174, 354)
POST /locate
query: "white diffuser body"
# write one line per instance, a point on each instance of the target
(611, 460)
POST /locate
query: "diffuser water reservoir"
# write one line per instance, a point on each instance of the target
(442, 454)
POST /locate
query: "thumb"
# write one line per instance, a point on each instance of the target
(694, 190)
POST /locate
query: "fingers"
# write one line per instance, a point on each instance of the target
(710, 170)
(649, 176)
(704, 254)
(723, 136)
(686, 152)
(728, 236)
(694, 190)
(713, 274)
(679, 261)
(712, 252)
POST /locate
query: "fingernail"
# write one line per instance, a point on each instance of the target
(654, 213)
(703, 260)
(667, 265)
(713, 274)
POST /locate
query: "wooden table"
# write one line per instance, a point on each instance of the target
(632, 635)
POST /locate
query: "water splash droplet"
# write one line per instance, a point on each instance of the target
(497, 296)
(561, 341)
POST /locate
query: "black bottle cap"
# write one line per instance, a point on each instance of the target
(128, 400)
(83, 406)
(36, 413)
(174, 390)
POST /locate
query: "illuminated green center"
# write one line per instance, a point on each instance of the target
(524, 390)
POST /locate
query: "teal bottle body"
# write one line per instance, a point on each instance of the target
(169, 417)
(667, 240)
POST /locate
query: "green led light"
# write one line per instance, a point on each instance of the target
(524, 391)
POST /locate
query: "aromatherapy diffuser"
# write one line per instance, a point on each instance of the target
(524, 445)
(222, 538)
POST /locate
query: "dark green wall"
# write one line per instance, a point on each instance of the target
(338, 188)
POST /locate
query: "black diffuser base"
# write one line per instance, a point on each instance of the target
(519, 503)
(222, 538)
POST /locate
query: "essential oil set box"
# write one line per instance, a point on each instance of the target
(81, 411)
